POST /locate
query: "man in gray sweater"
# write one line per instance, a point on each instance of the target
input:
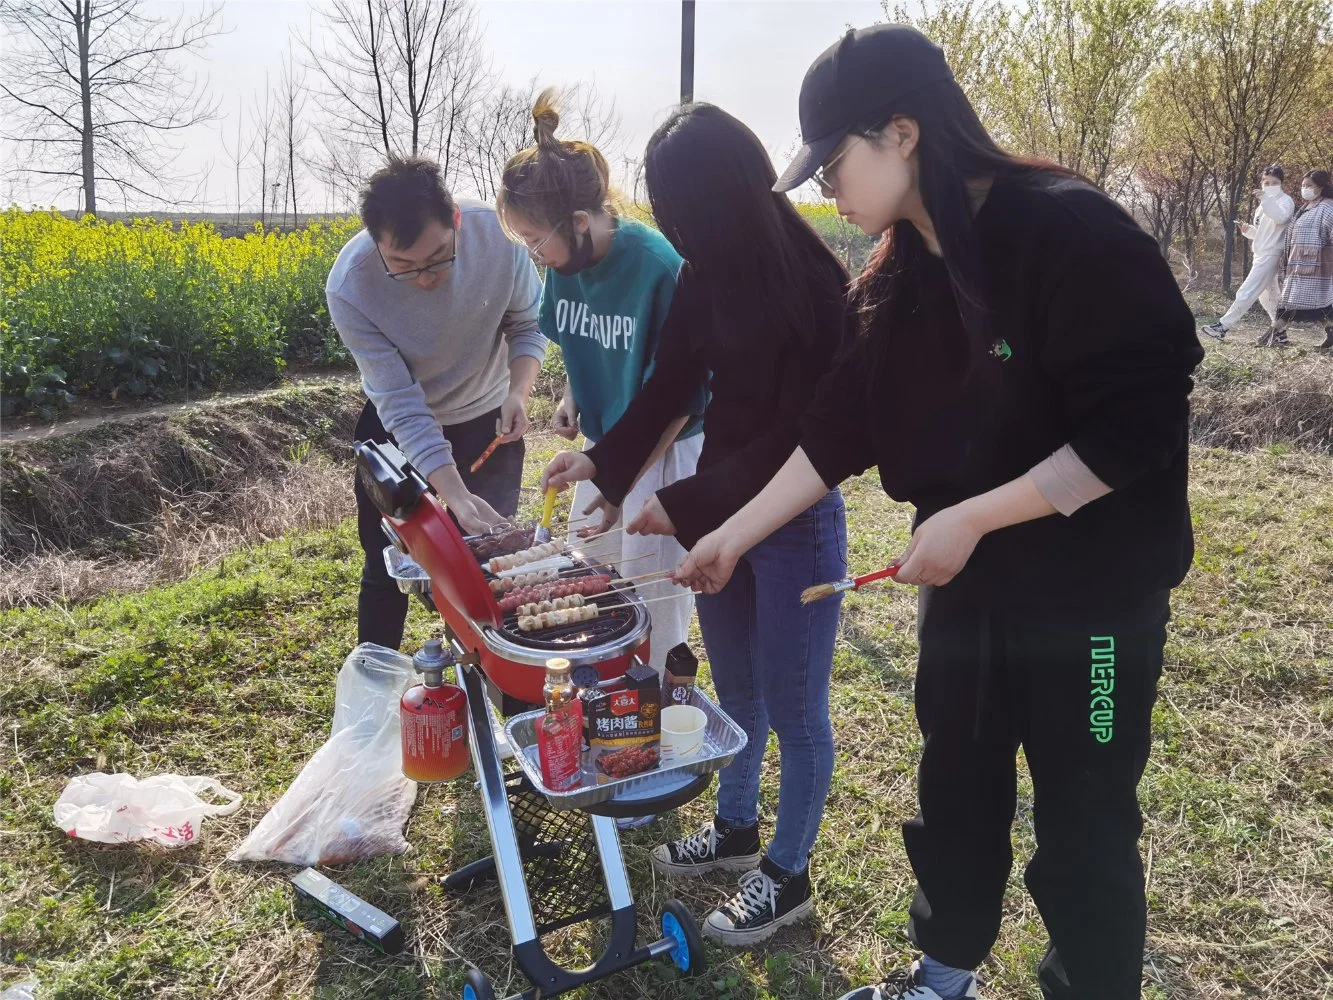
(439, 309)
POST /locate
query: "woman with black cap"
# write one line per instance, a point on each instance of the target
(1042, 437)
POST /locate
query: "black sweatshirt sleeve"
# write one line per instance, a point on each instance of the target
(672, 391)
(1119, 342)
(835, 434)
(700, 503)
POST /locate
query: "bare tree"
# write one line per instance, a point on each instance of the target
(264, 141)
(398, 77)
(238, 153)
(95, 91)
(292, 111)
(502, 126)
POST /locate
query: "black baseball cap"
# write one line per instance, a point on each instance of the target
(857, 78)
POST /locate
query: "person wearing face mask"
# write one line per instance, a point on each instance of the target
(608, 289)
(1268, 234)
(439, 310)
(1043, 441)
(1307, 285)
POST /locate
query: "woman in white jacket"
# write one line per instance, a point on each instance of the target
(1268, 234)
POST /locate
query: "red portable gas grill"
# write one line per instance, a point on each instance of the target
(545, 860)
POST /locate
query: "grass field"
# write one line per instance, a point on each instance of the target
(230, 673)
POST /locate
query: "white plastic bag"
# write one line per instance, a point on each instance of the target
(351, 800)
(26, 990)
(119, 808)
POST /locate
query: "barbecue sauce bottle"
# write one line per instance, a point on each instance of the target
(560, 730)
(434, 720)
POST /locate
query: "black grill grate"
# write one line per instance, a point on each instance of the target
(606, 627)
(560, 859)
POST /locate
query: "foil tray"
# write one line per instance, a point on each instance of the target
(723, 739)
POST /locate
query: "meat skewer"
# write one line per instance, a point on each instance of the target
(588, 612)
(586, 586)
(490, 450)
(508, 584)
(514, 559)
(549, 562)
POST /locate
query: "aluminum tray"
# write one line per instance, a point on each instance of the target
(723, 739)
(405, 571)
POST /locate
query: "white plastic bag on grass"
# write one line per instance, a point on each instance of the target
(351, 800)
(119, 808)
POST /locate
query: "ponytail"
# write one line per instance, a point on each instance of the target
(554, 178)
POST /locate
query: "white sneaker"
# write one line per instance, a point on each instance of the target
(904, 984)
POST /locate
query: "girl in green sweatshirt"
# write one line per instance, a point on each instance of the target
(608, 289)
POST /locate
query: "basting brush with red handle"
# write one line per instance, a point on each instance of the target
(823, 590)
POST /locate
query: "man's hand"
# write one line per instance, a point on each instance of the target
(610, 516)
(652, 520)
(1247, 230)
(513, 421)
(709, 565)
(474, 514)
(566, 419)
(566, 468)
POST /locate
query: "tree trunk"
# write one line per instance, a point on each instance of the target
(83, 26)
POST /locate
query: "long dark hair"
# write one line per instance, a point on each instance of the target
(710, 186)
(953, 149)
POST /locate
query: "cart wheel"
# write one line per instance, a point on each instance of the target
(477, 986)
(678, 924)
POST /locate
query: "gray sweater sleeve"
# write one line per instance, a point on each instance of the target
(519, 325)
(390, 386)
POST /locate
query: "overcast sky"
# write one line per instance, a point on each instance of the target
(750, 58)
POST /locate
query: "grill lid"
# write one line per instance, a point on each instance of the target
(426, 531)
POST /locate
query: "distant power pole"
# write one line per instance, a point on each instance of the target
(686, 51)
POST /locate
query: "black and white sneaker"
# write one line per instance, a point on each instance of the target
(769, 899)
(905, 984)
(1279, 339)
(1215, 330)
(715, 847)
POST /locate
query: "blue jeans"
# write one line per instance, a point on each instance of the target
(771, 659)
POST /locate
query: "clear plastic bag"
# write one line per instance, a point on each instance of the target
(120, 808)
(351, 800)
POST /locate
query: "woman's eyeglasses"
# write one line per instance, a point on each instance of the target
(826, 178)
(535, 250)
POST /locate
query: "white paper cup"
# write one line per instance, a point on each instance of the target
(682, 733)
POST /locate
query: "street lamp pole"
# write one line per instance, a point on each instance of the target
(686, 51)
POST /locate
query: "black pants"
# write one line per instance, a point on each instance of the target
(381, 607)
(1075, 690)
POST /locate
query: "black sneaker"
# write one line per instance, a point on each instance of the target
(716, 847)
(1279, 339)
(769, 898)
(905, 984)
(1328, 339)
(1215, 330)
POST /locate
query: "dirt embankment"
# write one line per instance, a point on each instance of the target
(137, 500)
(129, 501)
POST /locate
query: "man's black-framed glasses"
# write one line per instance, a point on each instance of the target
(416, 272)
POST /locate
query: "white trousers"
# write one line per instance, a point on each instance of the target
(1261, 284)
(640, 554)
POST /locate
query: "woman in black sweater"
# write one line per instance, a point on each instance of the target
(1023, 380)
(758, 311)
